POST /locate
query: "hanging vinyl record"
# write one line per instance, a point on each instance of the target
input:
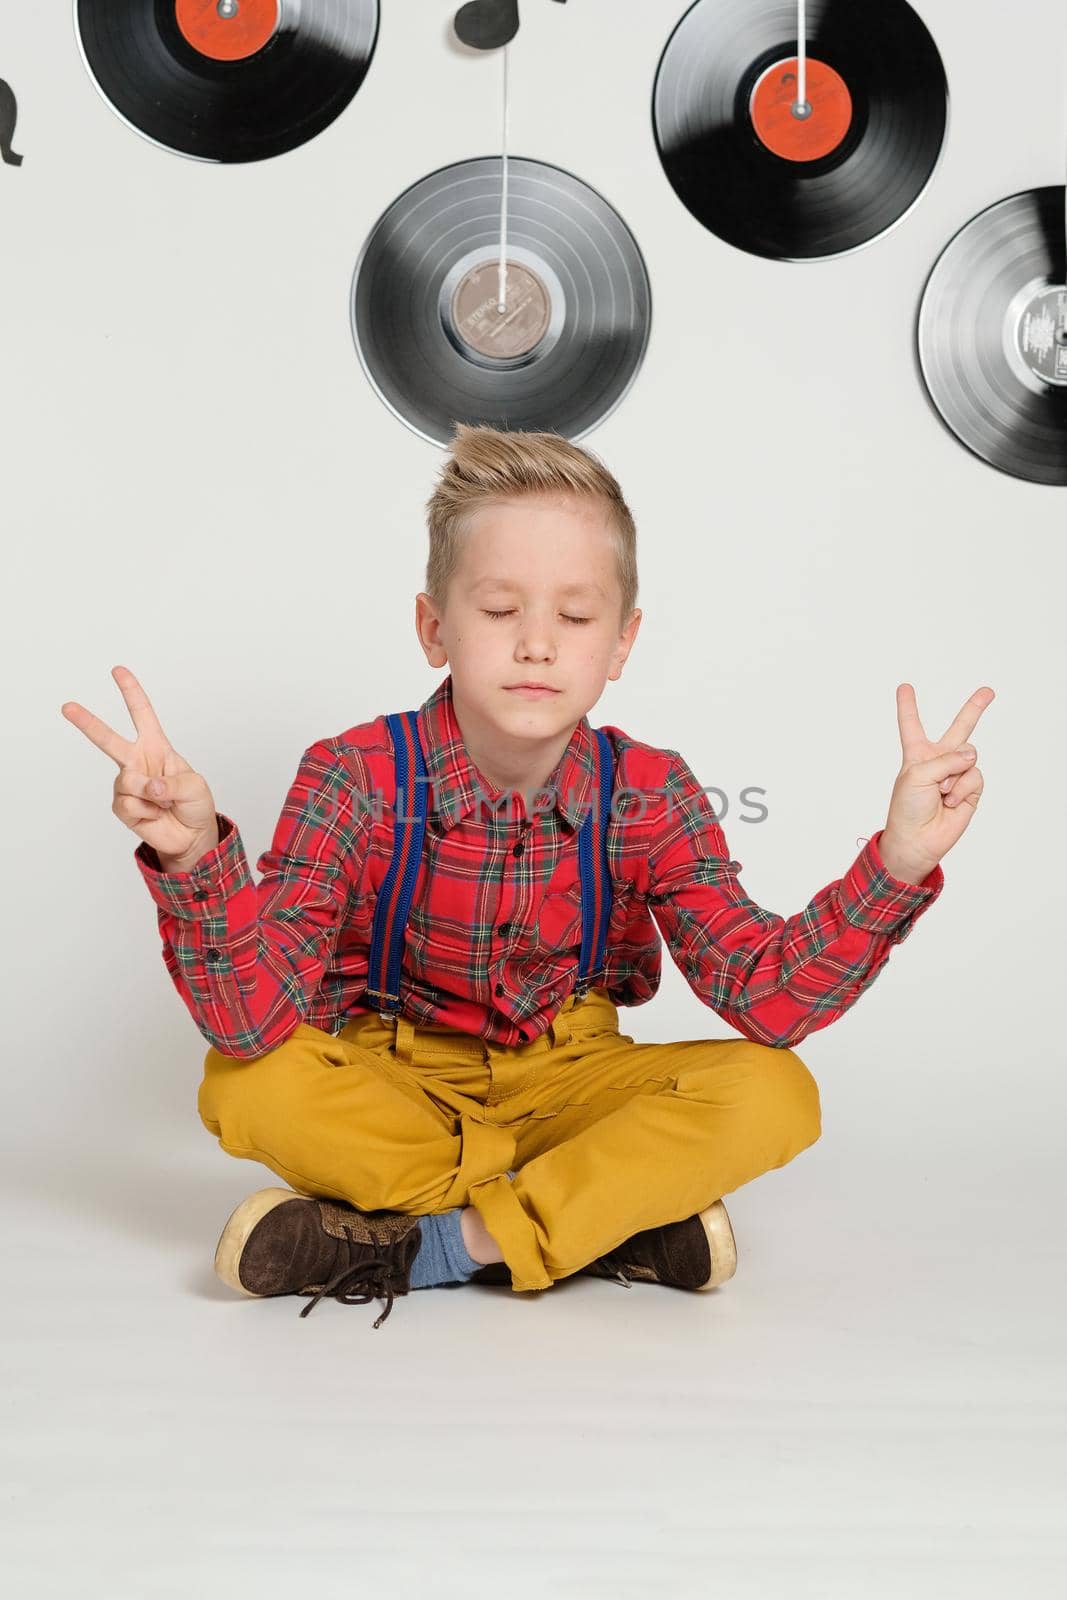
(438, 343)
(992, 335)
(227, 80)
(792, 179)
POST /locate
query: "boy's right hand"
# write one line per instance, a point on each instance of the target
(179, 822)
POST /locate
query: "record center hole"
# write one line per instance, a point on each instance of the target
(802, 109)
(227, 8)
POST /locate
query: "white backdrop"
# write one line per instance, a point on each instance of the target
(200, 483)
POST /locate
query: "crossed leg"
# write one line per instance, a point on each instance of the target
(642, 1135)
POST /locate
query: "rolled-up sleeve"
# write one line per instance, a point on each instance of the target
(775, 979)
(246, 958)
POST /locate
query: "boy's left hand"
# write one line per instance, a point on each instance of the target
(936, 791)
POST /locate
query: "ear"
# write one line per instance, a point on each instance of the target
(625, 645)
(428, 630)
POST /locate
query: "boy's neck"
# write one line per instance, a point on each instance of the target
(514, 766)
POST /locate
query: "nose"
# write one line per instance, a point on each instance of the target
(536, 639)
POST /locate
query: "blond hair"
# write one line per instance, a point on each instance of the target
(487, 464)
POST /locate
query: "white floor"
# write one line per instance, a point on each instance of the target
(874, 1402)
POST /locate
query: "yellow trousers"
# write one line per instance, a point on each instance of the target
(607, 1137)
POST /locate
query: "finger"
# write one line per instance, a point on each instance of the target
(132, 811)
(134, 784)
(912, 734)
(138, 704)
(954, 777)
(948, 765)
(157, 790)
(160, 790)
(966, 718)
(967, 790)
(98, 732)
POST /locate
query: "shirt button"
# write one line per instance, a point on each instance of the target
(500, 988)
(212, 955)
(519, 848)
(505, 927)
(523, 1035)
(200, 894)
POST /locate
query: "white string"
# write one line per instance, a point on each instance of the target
(501, 289)
(800, 104)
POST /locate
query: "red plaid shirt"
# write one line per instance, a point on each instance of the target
(495, 928)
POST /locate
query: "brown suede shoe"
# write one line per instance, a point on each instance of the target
(492, 1272)
(699, 1253)
(280, 1242)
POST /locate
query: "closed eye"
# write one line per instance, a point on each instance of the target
(564, 614)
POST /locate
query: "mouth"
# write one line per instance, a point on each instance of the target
(531, 691)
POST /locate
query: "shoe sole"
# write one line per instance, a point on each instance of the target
(235, 1234)
(722, 1244)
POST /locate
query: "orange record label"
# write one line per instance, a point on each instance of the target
(801, 138)
(227, 30)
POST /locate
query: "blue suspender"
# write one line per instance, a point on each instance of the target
(394, 898)
(595, 872)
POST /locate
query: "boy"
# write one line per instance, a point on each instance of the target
(484, 1117)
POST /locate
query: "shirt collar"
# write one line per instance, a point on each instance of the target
(458, 783)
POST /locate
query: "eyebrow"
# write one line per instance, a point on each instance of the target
(509, 583)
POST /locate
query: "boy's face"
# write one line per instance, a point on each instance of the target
(545, 564)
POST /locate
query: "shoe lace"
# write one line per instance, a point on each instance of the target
(370, 1279)
(619, 1270)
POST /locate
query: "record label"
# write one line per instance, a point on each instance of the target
(1041, 334)
(476, 314)
(227, 30)
(801, 132)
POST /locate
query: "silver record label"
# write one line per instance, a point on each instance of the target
(1041, 334)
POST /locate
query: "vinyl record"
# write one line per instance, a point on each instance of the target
(227, 80)
(425, 292)
(799, 188)
(992, 335)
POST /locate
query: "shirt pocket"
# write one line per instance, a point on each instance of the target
(559, 919)
(559, 922)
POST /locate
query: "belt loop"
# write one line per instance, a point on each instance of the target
(404, 1043)
(560, 1029)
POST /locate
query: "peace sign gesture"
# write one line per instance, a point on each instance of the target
(937, 788)
(157, 793)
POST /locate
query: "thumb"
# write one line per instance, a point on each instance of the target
(944, 766)
(178, 787)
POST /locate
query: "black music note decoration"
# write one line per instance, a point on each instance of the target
(488, 24)
(8, 117)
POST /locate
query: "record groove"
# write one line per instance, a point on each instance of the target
(255, 81)
(761, 179)
(424, 292)
(992, 335)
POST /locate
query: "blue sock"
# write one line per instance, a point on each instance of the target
(442, 1257)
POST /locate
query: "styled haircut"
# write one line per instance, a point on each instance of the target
(489, 464)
